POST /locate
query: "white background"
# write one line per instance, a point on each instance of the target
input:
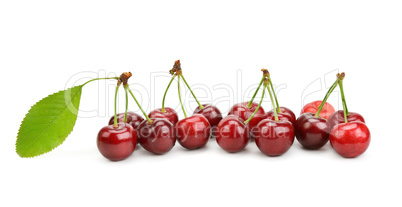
(46, 46)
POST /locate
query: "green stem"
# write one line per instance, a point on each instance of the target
(255, 93)
(278, 108)
(343, 97)
(248, 120)
(273, 104)
(164, 95)
(115, 106)
(139, 106)
(115, 78)
(125, 112)
(178, 89)
(332, 88)
(344, 112)
(181, 75)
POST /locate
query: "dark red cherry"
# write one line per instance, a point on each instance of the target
(286, 114)
(351, 139)
(241, 110)
(212, 113)
(312, 132)
(312, 107)
(158, 137)
(193, 132)
(339, 117)
(285, 110)
(232, 134)
(281, 116)
(117, 144)
(170, 115)
(133, 119)
(274, 138)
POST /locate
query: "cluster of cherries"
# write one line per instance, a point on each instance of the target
(273, 131)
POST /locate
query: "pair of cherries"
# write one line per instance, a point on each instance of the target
(158, 132)
(192, 132)
(347, 132)
(273, 131)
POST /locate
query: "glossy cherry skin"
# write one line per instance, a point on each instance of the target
(232, 134)
(212, 113)
(338, 117)
(158, 137)
(281, 116)
(274, 138)
(312, 132)
(312, 107)
(133, 119)
(193, 132)
(170, 115)
(285, 110)
(241, 110)
(351, 139)
(117, 144)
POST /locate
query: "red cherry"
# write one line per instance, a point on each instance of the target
(170, 115)
(241, 110)
(193, 132)
(157, 137)
(351, 139)
(232, 134)
(274, 138)
(117, 144)
(288, 111)
(133, 119)
(338, 117)
(312, 107)
(281, 116)
(312, 132)
(212, 113)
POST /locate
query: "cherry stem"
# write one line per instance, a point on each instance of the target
(273, 103)
(255, 93)
(181, 103)
(181, 75)
(125, 112)
(164, 95)
(332, 88)
(263, 93)
(278, 108)
(343, 97)
(139, 106)
(115, 78)
(115, 106)
(345, 108)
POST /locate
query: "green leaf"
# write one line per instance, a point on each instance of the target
(48, 123)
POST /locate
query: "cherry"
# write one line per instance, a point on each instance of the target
(157, 137)
(283, 116)
(350, 139)
(232, 134)
(274, 138)
(312, 107)
(244, 112)
(193, 132)
(170, 115)
(338, 117)
(117, 143)
(211, 112)
(132, 118)
(287, 112)
(312, 132)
